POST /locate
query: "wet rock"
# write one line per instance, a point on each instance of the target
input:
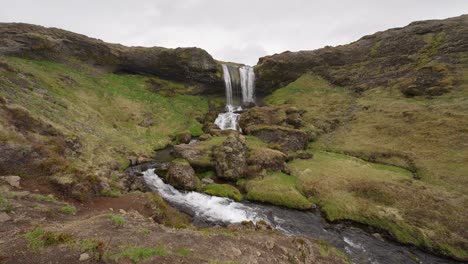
(230, 158)
(378, 236)
(12, 180)
(133, 182)
(181, 175)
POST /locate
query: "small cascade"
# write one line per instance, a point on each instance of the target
(202, 206)
(239, 83)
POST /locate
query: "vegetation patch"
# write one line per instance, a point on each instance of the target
(68, 209)
(383, 196)
(279, 189)
(137, 254)
(223, 190)
(39, 238)
(116, 220)
(184, 252)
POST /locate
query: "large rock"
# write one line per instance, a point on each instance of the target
(266, 158)
(231, 157)
(286, 116)
(12, 180)
(188, 65)
(383, 59)
(196, 155)
(181, 175)
(287, 139)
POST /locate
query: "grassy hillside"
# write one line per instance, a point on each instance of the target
(422, 198)
(94, 118)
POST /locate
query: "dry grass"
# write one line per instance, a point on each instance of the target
(112, 116)
(427, 136)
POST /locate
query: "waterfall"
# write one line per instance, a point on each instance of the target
(239, 83)
(247, 80)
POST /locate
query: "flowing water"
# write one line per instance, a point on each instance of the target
(239, 83)
(360, 246)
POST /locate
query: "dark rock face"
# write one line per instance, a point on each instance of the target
(230, 158)
(188, 65)
(381, 59)
(181, 175)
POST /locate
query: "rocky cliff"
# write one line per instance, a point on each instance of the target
(187, 65)
(421, 59)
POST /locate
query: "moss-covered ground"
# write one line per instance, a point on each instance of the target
(107, 116)
(422, 198)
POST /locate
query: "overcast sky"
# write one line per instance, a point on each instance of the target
(234, 30)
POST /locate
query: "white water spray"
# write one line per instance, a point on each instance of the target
(240, 90)
(211, 208)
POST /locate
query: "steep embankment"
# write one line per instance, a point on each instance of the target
(73, 108)
(397, 97)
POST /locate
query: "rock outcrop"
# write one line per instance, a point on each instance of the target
(181, 175)
(187, 65)
(230, 158)
(399, 56)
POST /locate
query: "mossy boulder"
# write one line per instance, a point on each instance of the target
(181, 175)
(223, 190)
(265, 158)
(231, 157)
(287, 139)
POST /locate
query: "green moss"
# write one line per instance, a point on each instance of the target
(223, 190)
(39, 238)
(121, 113)
(375, 49)
(117, 220)
(44, 198)
(5, 205)
(181, 161)
(184, 252)
(68, 209)
(379, 195)
(137, 254)
(279, 189)
(206, 174)
(164, 214)
(326, 250)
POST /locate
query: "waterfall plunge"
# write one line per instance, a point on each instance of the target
(240, 90)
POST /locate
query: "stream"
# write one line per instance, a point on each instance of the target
(360, 246)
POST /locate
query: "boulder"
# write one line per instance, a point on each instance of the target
(231, 157)
(181, 175)
(184, 137)
(266, 158)
(12, 180)
(196, 155)
(287, 139)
